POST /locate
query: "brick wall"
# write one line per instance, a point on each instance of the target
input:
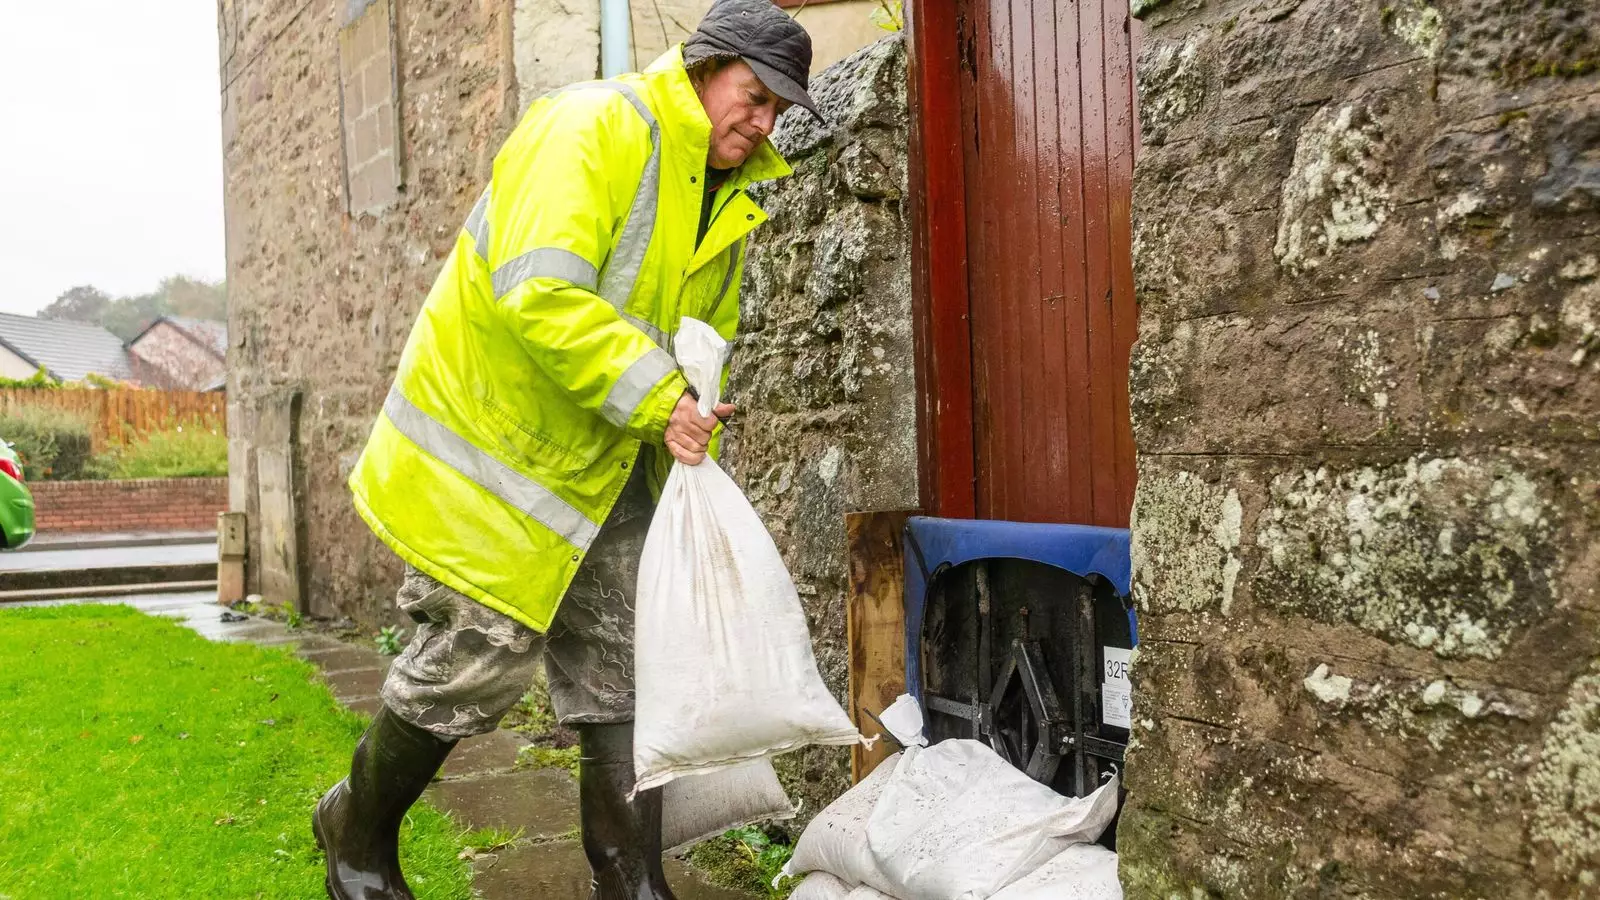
(151, 504)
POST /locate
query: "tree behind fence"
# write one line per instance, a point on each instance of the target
(119, 416)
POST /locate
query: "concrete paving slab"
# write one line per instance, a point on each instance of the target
(257, 631)
(355, 682)
(558, 870)
(332, 655)
(689, 884)
(542, 802)
(111, 593)
(198, 612)
(192, 605)
(367, 706)
(310, 642)
(492, 752)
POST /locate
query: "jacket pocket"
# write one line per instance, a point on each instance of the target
(522, 441)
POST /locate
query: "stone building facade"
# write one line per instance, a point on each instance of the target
(1367, 406)
(321, 298)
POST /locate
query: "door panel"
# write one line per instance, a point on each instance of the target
(1047, 119)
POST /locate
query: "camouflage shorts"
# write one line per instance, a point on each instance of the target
(467, 664)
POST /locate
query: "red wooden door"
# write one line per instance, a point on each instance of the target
(1048, 133)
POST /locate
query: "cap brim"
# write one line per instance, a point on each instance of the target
(783, 86)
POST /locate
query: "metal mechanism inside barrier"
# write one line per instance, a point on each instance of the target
(1018, 635)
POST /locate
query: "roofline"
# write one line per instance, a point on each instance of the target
(28, 359)
(146, 330)
(203, 345)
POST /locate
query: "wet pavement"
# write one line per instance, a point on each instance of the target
(44, 560)
(73, 540)
(479, 785)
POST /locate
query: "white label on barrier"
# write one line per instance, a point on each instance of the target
(1116, 692)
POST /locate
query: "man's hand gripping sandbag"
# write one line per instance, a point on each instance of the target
(725, 671)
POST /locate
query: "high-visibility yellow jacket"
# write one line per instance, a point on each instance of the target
(540, 360)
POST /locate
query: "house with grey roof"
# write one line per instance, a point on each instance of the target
(67, 351)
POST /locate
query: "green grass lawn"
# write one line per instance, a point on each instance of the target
(138, 759)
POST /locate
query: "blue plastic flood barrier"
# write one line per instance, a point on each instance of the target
(935, 545)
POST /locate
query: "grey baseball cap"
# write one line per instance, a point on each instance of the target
(761, 34)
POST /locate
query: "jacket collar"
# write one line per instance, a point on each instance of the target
(688, 121)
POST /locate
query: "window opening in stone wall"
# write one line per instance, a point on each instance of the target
(369, 106)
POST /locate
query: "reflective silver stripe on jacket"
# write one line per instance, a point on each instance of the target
(622, 269)
(734, 252)
(478, 225)
(545, 262)
(615, 281)
(635, 384)
(494, 476)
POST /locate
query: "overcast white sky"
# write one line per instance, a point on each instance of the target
(110, 147)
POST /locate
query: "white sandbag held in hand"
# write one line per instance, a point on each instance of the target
(725, 672)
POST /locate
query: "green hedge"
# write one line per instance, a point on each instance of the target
(194, 450)
(54, 444)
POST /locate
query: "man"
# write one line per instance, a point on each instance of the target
(514, 464)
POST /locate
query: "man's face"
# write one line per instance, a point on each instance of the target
(742, 113)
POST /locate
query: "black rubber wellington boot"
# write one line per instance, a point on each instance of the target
(621, 838)
(357, 823)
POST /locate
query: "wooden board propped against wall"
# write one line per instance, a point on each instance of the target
(875, 626)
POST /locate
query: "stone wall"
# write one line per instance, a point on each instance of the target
(823, 369)
(1366, 397)
(127, 507)
(320, 300)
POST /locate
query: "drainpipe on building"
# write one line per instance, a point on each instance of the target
(616, 38)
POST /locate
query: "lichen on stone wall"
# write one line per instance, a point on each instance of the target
(1327, 686)
(1447, 555)
(1566, 786)
(1418, 24)
(1367, 374)
(1140, 7)
(1171, 86)
(1580, 317)
(1338, 190)
(1172, 570)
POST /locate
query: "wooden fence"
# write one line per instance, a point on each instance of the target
(117, 416)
